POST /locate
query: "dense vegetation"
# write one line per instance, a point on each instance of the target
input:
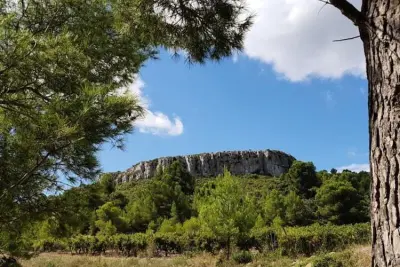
(301, 212)
(65, 66)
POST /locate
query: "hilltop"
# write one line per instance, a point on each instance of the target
(262, 162)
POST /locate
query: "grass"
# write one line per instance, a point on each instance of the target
(66, 260)
(357, 256)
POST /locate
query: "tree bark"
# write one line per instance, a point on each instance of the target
(382, 52)
(379, 25)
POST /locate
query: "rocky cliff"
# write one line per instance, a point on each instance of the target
(266, 162)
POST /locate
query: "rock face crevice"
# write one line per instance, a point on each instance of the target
(265, 162)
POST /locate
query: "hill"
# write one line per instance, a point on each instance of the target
(264, 162)
(301, 212)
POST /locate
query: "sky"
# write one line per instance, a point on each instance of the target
(292, 89)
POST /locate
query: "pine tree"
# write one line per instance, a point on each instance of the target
(63, 68)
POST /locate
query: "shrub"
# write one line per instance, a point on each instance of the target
(168, 242)
(8, 262)
(242, 257)
(327, 261)
(49, 245)
(85, 244)
(129, 245)
(292, 241)
(316, 238)
(264, 239)
(206, 241)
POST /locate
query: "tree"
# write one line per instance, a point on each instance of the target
(227, 212)
(62, 70)
(302, 178)
(176, 174)
(141, 212)
(274, 206)
(167, 195)
(295, 210)
(339, 202)
(378, 24)
(259, 224)
(110, 216)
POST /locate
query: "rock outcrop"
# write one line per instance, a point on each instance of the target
(266, 162)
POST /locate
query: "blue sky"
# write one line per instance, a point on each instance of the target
(293, 90)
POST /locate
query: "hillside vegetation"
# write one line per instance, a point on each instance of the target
(301, 213)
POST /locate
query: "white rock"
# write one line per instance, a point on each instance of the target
(265, 162)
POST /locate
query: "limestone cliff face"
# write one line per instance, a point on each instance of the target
(266, 162)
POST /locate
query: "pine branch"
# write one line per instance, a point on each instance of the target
(346, 39)
(349, 11)
(30, 172)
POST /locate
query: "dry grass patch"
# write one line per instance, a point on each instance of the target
(64, 260)
(357, 256)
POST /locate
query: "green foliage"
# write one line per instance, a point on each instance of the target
(77, 214)
(49, 245)
(327, 261)
(264, 239)
(339, 202)
(170, 226)
(106, 228)
(141, 211)
(227, 212)
(316, 238)
(130, 245)
(274, 206)
(110, 219)
(168, 195)
(107, 184)
(296, 212)
(294, 241)
(259, 224)
(169, 243)
(176, 174)
(302, 178)
(242, 257)
(63, 69)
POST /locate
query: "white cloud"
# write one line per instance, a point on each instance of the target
(154, 122)
(296, 39)
(158, 123)
(355, 167)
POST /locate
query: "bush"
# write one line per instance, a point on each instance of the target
(49, 245)
(85, 244)
(292, 241)
(207, 242)
(169, 242)
(316, 238)
(327, 261)
(264, 239)
(8, 262)
(242, 257)
(129, 245)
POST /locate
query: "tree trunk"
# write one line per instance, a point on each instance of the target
(228, 255)
(381, 38)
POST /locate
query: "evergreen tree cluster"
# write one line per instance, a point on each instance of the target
(225, 211)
